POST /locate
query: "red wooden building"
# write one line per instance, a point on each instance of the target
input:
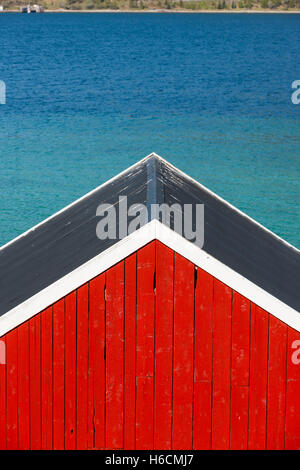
(149, 341)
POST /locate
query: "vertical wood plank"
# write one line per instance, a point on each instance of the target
(97, 363)
(115, 356)
(240, 371)
(258, 378)
(292, 436)
(145, 347)
(82, 366)
(70, 371)
(240, 339)
(203, 360)
(130, 351)
(35, 383)
(239, 417)
(23, 386)
(276, 384)
(202, 415)
(183, 367)
(11, 391)
(91, 366)
(58, 374)
(163, 347)
(3, 395)
(221, 366)
(47, 379)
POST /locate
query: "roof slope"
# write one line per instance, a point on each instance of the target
(67, 240)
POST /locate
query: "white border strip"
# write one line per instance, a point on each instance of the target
(151, 231)
(87, 271)
(228, 276)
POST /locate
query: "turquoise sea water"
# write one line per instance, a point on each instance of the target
(90, 94)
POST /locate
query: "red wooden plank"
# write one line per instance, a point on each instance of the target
(70, 371)
(293, 355)
(292, 441)
(12, 390)
(292, 435)
(258, 378)
(276, 384)
(145, 346)
(221, 366)
(23, 385)
(114, 356)
(3, 394)
(130, 346)
(240, 371)
(82, 366)
(202, 416)
(203, 360)
(35, 382)
(240, 339)
(58, 374)
(96, 395)
(239, 417)
(163, 347)
(47, 380)
(92, 363)
(203, 326)
(183, 370)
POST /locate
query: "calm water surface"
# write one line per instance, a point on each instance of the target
(90, 94)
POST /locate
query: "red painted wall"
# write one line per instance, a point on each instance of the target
(152, 354)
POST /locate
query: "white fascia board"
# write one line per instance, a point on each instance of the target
(228, 276)
(84, 273)
(154, 230)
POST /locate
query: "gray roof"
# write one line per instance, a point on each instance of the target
(68, 239)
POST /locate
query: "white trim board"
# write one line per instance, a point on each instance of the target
(154, 230)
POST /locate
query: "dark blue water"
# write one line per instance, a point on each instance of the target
(90, 94)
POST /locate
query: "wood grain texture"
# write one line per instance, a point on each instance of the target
(70, 371)
(183, 366)
(82, 366)
(96, 405)
(145, 347)
(130, 352)
(36, 384)
(47, 378)
(23, 387)
(292, 421)
(3, 427)
(115, 356)
(258, 379)
(163, 347)
(221, 366)
(58, 375)
(276, 398)
(203, 347)
(12, 390)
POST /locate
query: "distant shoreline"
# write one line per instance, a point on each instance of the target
(169, 11)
